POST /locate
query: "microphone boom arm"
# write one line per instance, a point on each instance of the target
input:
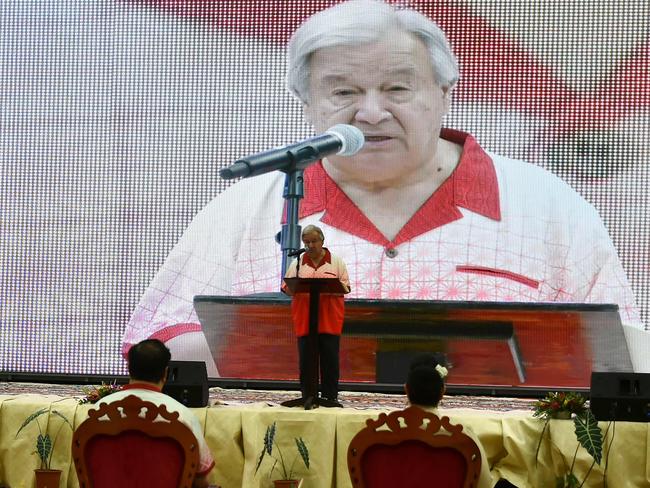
(296, 156)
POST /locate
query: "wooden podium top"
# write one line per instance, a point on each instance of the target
(322, 285)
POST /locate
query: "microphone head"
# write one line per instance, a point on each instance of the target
(351, 138)
(297, 252)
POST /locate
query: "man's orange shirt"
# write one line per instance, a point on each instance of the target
(331, 307)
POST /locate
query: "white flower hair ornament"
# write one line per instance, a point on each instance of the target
(442, 371)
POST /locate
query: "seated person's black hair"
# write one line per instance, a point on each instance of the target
(424, 384)
(148, 360)
(427, 359)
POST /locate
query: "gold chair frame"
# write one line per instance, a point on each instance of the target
(134, 414)
(413, 423)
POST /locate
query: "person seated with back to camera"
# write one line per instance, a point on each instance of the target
(148, 363)
(425, 387)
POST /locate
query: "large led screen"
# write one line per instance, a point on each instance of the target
(116, 117)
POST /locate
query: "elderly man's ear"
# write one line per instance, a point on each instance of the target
(307, 115)
(448, 92)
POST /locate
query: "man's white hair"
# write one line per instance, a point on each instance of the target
(363, 21)
(312, 229)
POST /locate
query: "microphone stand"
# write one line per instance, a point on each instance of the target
(294, 191)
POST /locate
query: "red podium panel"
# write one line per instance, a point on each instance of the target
(504, 345)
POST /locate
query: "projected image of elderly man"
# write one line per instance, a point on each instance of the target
(421, 212)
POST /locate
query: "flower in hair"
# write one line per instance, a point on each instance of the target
(442, 371)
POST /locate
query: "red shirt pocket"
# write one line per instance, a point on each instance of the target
(500, 273)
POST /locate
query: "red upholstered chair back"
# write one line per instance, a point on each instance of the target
(415, 449)
(134, 443)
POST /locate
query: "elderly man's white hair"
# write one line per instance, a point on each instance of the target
(312, 229)
(362, 21)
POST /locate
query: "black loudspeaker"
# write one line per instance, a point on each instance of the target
(620, 396)
(187, 382)
(392, 366)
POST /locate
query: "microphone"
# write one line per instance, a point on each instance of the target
(341, 139)
(297, 252)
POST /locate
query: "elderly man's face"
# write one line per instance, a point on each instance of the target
(313, 243)
(386, 89)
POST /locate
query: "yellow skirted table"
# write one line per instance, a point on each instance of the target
(236, 433)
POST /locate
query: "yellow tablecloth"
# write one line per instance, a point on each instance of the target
(235, 435)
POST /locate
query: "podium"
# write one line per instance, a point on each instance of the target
(314, 287)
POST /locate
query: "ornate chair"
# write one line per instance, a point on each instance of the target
(407, 448)
(134, 443)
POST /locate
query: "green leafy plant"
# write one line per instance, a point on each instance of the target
(588, 433)
(45, 443)
(285, 469)
(95, 393)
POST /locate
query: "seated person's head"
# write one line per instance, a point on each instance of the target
(148, 361)
(425, 383)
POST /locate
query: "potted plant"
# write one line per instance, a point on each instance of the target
(45, 476)
(569, 405)
(280, 462)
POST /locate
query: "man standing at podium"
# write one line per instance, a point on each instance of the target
(319, 262)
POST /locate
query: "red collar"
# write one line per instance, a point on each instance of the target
(141, 386)
(326, 259)
(473, 185)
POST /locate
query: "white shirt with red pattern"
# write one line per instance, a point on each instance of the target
(185, 415)
(331, 308)
(496, 230)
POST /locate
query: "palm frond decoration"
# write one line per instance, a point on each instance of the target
(62, 417)
(283, 463)
(269, 438)
(36, 414)
(267, 448)
(264, 449)
(302, 449)
(259, 459)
